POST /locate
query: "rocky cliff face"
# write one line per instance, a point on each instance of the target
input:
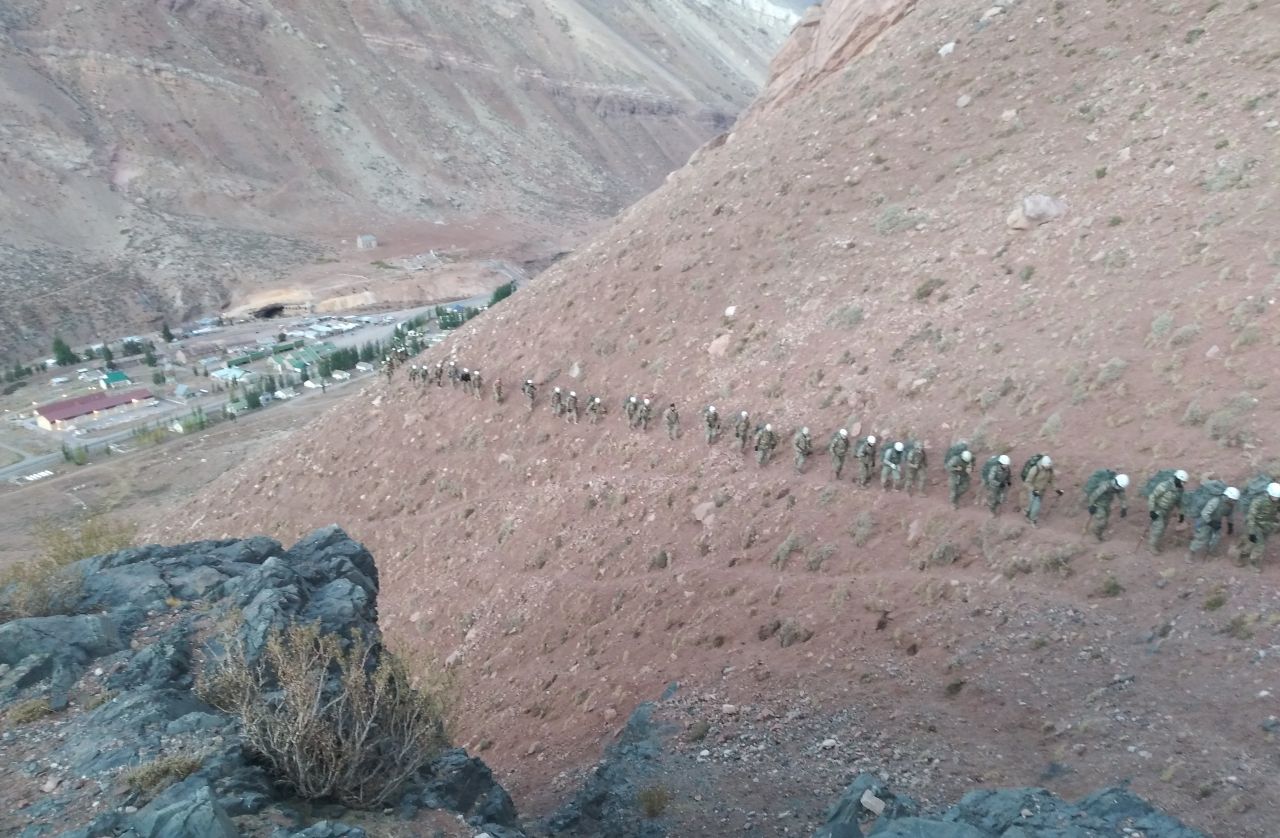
(164, 158)
(1033, 229)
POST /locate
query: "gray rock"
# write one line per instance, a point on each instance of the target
(83, 638)
(184, 810)
(326, 829)
(925, 828)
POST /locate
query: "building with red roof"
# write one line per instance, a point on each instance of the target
(56, 416)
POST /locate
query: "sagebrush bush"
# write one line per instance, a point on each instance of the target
(45, 585)
(653, 800)
(332, 718)
(25, 712)
(153, 776)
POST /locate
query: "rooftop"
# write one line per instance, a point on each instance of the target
(81, 405)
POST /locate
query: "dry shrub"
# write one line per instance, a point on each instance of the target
(332, 718)
(46, 585)
(25, 712)
(653, 800)
(153, 776)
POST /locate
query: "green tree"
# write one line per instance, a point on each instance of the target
(500, 293)
(157, 378)
(165, 333)
(63, 355)
(108, 357)
(253, 400)
(281, 337)
(149, 358)
(130, 348)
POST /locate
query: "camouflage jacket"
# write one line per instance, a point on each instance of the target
(839, 446)
(1105, 494)
(766, 439)
(1215, 509)
(671, 417)
(893, 457)
(802, 442)
(1263, 515)
(742, 426)
(915, 457)
(712, 419)
(865, 450)
(999, 476)
(957, 465)
(1165, 497)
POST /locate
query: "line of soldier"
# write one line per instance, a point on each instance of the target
(904, 465)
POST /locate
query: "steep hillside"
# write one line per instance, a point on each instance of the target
(168, 158)
(848, 257)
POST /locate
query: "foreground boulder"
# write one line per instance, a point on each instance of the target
(121, 742)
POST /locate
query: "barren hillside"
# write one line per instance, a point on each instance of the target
(167, 158)
(848, 257)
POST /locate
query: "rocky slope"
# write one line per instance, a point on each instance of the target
(855, 253)
(168, 158)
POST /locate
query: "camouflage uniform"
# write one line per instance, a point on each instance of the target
(440, 373)
(413, 373)
(915, 468)
(454, 374)
(477, 384)
(998, 481)
(557, 402)
(839, 448)
(866, 456)
(1166, 498)
(1208, 524)
(595, 410)
(530, 391)
(388, 368)
(630, 408)
(711, 419)
(766, 441)
(741, 430)
(671, 418)
(958, 478)
(571, 407)
(802, 444)
(643, 415)
(497, 390)
(891, 468)
(1260, 521)
(1039, 481)
(1100, 506)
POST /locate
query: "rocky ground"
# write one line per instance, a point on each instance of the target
(861, 252)
(131, 195)
(114, 678)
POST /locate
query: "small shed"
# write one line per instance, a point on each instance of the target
(366, 241)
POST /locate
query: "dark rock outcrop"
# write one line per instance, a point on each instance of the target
(147, 623)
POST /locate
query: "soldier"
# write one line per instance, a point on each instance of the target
(595, 409)
(916, 462)
(891, 466)
(1208, 524)
(413, 373)
(839, 448)
(711, 419)
(1100, 500)
(958, 468)
(766, 441)
(477, 385)
(741, 429)
(643, 415)
(1165, 499)
(530, 391)
(388, 368)
(865, 454)
(630, 408)
(1039, 480)
(497, 390)
(557, 402)
(998, 478)
(571, 407)
(672, 419)
(1260, 521)
(453, 373)
(802, 443)
(439, 373)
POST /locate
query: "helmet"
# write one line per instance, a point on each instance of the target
(597, 399)
(1181, 476)
(573, 393)
(744, 414)
(871, 439)
(557, 389)
(1231, 493)
(1004, 460)
(768, 427)
(1273, 491)
(1045, 462)
(711, 408)
(844, 432)
(966, 455)
(646, 401)
(633, 398)
(1122, 481)
(464, 369)
(898, 446)
(804, 431)
(528, 381)
(477, 372)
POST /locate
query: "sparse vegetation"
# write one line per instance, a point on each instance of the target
(1185, 335)
(925, 289)
(653, 800)
(151, 777)
(896, 219)
(345, 722)
(864, 526)
(46, 585)
(1226, 424)
(1110, 372)
(846, 317)
(1161, 326)
(789, 546)
(26, 712)
(1240, 627)
(1215, 600)
(1110, 587)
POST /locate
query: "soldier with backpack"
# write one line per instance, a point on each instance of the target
(1262, 517)
(630, 407)
(865, 453)
(1101, 490)
(643, 414)
(917, 461)
(959, 464)
(595, 410)
(742, 430)
(477, 385)
(802, 445)
(530, 391)
(891, 462)
(839, 448)
(1037, 474)
(571, 407)
(671, 418)
(1208, 507)
(997, 477)
(766, 441)
(1164, 499)
(497, 390)
(711, 419)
